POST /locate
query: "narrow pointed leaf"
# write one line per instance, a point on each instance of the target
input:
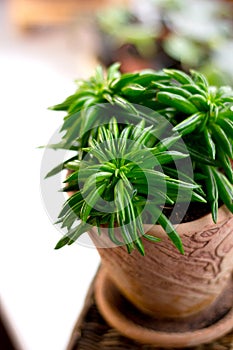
(211, 148)
(189, 124)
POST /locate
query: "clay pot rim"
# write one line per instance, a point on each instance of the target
(194, 225)
(185, 227)
(148, 336)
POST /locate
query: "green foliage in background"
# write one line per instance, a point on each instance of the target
(196, 33)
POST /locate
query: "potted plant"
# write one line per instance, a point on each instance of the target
(151, 180)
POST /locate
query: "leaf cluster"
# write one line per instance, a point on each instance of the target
(120, 183)
(203, 116)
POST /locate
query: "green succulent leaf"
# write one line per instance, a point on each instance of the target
(189, 124)
(225, 189)
(178, 75)
(211, 148)
(212, 191)
(177, 101)
(221, 138)
(73, 235)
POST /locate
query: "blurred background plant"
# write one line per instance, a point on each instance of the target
(169, 33)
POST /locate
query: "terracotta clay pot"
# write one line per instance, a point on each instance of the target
(189, 291)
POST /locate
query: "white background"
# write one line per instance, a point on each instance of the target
(42, 290)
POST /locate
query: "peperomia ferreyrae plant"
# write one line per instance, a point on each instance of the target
(130, 134)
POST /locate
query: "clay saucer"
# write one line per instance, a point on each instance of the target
(132, 323)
